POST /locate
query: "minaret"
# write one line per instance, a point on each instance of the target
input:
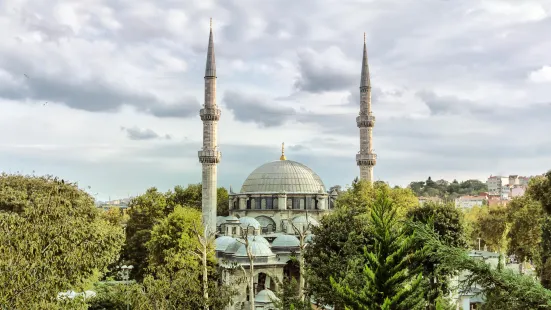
(209, 156)
(365, 159)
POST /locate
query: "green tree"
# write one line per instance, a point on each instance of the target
(144, 212)
(494, 227)
(526, 218)
(502, 288)
(288, 298)
(388, 279)
(539, 189)
(175, 250)
(342, 235)
(52, 239)
(447, 221)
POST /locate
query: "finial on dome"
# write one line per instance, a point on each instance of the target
(283, 152)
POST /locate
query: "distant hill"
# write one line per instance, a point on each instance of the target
(447, 190)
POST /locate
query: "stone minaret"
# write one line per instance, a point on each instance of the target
(209, 156)
(366, 159)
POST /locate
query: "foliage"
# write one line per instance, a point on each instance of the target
(502, 289)
(342, 235)
(446, 190)
(447, 221)
(472, 225)
(388, 279)
(493, 227)
(526, 218)
(288, 298)
(52, 239)
(539, 189)
(144, 211)
(111, 297)
(114, 215)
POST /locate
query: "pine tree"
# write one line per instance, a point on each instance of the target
(387, 280)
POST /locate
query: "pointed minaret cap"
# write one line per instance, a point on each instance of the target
(365, 80)
(283, 152)
(210, 70)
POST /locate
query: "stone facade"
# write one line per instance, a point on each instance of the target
(209, 156)
(366, 159)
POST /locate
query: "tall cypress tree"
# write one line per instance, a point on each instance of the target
(387, 278)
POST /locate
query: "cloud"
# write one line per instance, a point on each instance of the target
(325, 71)
(542, 75)
(462, 94)
(136, 133)
(247, 108)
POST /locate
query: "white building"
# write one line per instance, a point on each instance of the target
(500, 185)
(277, 205)
(467, 202)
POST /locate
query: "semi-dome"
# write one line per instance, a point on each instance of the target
(258, 248)
(286, 241)
(247, 222)
(223, 242)
(258, 239)
(265, 296)
(234, 246)
(283, 176)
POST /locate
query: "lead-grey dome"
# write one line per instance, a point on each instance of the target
(283, 176)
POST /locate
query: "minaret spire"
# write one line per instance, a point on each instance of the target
(209, 156)
(283, 152)
(365, 159)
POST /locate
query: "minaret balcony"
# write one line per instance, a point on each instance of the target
(365, 121)
(209, 157)
(366, 159)
(210, 114)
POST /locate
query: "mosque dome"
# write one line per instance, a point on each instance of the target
(283, 176)
(234, 246)
(258, 239)
(286, 241)
(223, 242)
(247, 221)
(265, 296)
(258, 248)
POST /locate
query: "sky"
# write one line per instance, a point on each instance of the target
(107, 93)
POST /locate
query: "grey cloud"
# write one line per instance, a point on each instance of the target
(253, 109)
(447, 104)
(298, 147)
(317, 77)
(136, 133)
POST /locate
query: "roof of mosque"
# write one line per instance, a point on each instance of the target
(223, 242)
(258, 249)
(286, 241)
(283, 176)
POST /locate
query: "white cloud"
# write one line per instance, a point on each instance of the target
(449, 87)
(542, 75)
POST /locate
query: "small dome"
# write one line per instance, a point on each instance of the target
(265, 296)
(309, 238)
(283, 176)
(233, 247)
(258, 248)
(220, 220)
(286, 241)
(248, 222)
(301, 219)
(258, 239)
(223, 242)
(231, 218)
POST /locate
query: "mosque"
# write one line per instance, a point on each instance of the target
(275, 208)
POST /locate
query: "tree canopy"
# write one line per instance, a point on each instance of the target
(52, 239)
(447, 190)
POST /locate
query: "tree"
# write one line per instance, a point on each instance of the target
(52, 238)
(447, 222)
(144, 212)
(494, 227)
(181, 257)
(472, 225)
(539, 189)
(113, 215)
(301, 232)
(222, 202)
(526, 218)
(342, 235)
(287, 297)
(388, 279)
(502, 288)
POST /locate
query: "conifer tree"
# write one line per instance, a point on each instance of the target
(387, 280)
